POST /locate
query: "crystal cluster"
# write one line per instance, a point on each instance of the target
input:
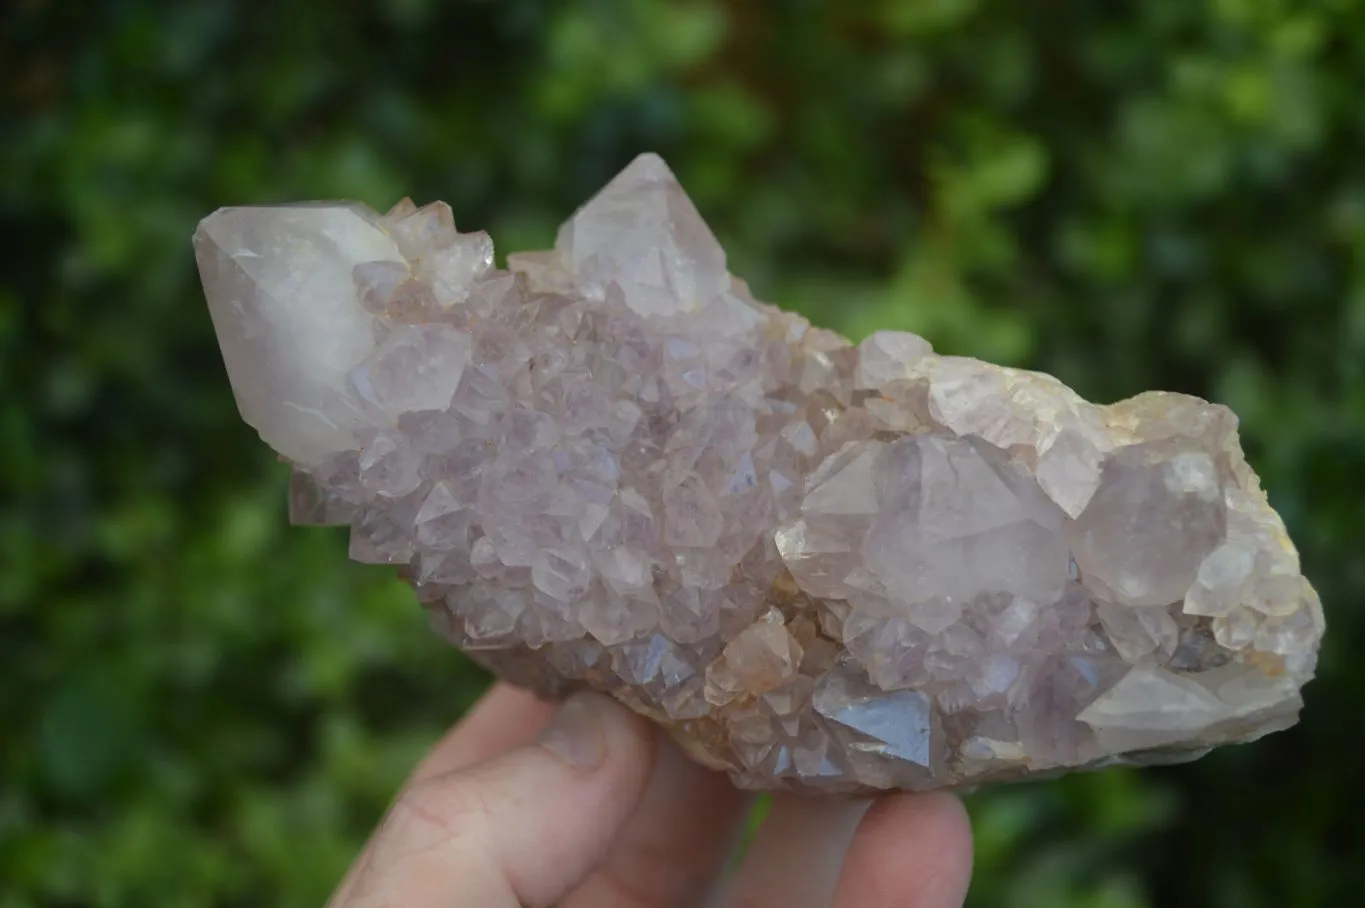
(818, 565)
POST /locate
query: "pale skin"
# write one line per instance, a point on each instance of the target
(587, 806)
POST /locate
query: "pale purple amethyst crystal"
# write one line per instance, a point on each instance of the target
(818, 565)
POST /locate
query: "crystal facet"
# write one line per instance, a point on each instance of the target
(819, 566)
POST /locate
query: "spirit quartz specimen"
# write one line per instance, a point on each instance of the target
(819, 566)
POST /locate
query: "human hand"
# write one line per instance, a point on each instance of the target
(590, 807)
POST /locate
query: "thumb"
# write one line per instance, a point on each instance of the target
(519, 830)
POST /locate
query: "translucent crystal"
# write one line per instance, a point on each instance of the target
(821, 566)
(311, 504)
(885, 357)
(643, 234)
(1150, 524)
(416, 367)
(290, 325)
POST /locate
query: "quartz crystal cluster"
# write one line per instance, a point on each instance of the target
(819, 565)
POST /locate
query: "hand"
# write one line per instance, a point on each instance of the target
(590, 807)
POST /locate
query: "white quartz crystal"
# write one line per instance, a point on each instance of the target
(820, 566)
(288, 314)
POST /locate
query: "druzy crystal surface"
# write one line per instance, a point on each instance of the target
(819, 565)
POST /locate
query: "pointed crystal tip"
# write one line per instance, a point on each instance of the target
(643, 234)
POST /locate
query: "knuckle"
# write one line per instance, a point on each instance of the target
(441, 811)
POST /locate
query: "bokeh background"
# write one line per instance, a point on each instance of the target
(201, 706)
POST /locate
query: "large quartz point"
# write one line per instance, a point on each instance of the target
(818, 565)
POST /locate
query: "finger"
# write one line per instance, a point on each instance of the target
(911, 851)
(675, 843)
(504, 718)
(520, 829)
(795, 857)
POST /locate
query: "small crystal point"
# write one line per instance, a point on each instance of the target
(820, 566)
(885, 357)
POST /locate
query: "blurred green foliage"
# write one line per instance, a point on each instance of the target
(201, 706)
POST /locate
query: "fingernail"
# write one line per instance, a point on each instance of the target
(577, 734)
